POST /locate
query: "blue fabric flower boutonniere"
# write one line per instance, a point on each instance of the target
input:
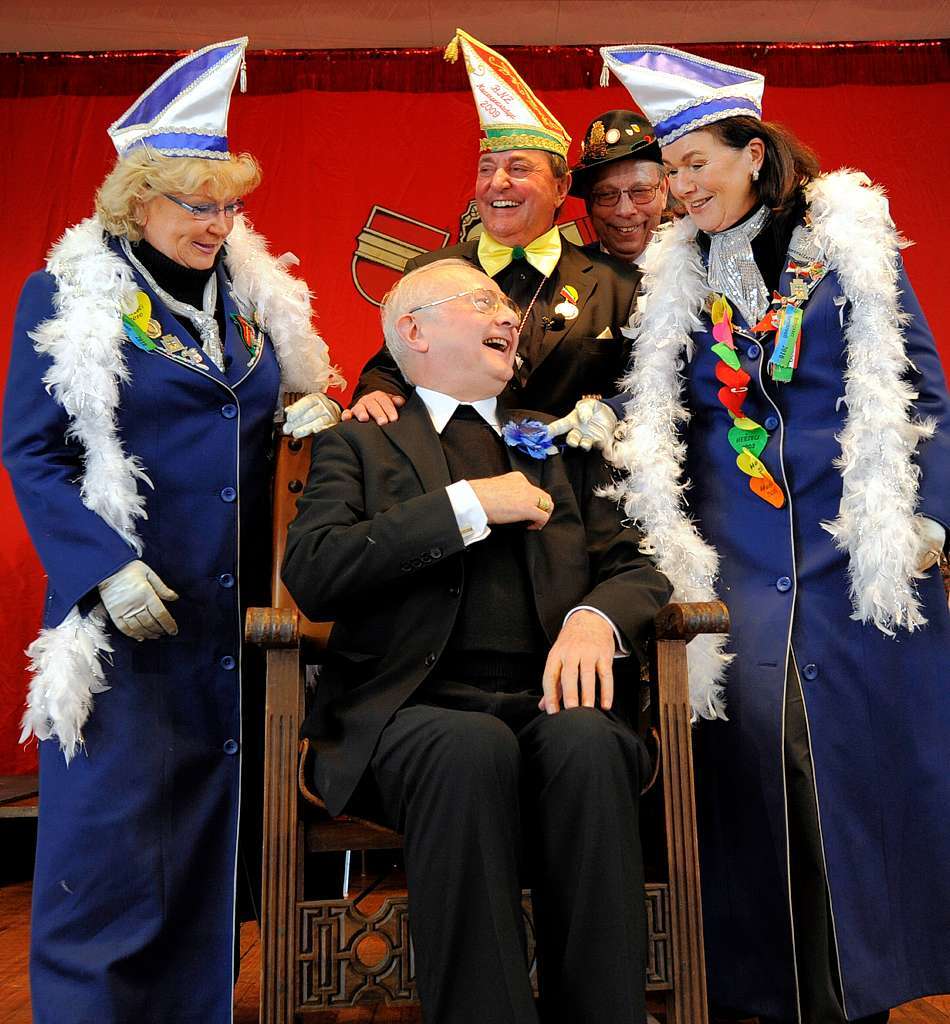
(530, 437)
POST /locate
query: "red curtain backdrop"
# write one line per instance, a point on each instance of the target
(366, 151)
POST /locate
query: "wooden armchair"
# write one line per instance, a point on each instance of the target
(327, 954)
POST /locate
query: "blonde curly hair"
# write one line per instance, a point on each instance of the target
(141, 176)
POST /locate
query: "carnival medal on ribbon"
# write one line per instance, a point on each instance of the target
(785, 319)
(788, 339)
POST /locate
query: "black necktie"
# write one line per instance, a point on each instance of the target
(471, 446)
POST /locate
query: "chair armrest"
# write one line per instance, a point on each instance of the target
(683, 621)
(286, 627)
(272, 627)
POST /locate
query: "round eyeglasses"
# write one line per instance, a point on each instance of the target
(483, 299)
(208, 211)
(639, 196)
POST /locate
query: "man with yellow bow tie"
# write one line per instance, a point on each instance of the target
(573, 303)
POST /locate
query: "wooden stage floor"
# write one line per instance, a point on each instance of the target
(15, 996)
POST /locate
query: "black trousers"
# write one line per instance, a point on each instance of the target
(487, 792)
(816, 963)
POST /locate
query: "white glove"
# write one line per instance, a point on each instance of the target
(591, 423)
(310, 415)
(932, 539)
(133, 598)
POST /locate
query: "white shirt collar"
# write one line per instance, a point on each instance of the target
(638, 262)
(441, 408)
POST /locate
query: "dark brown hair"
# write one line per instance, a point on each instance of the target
(559, 166)
(788, 165)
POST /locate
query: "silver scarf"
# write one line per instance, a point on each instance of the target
(733, 270)
(203, 319)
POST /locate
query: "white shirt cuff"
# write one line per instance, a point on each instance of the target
(621, 651)
(469, 514)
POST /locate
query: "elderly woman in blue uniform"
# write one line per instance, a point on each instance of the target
(783, 367)
(148, 360)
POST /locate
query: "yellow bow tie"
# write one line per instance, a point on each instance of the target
(543, 253)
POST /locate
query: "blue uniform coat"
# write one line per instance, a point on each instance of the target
(134, 889)
(878, 708)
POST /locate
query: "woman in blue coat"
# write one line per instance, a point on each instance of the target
(783, 367)
(147, 365)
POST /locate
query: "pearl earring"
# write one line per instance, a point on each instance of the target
(755, 174)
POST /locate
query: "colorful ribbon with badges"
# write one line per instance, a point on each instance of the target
(137, 324)
(146, 333)
(785, 318)
(746, 437)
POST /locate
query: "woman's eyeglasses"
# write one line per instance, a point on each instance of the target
(208, 211)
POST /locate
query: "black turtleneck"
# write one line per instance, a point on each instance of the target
(770, 245)
(186, 284)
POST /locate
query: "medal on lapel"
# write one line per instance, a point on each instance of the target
(171, 344)
(250, 337)
(568, 308)
(180, 353)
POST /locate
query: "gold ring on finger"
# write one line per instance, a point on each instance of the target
(544, 504)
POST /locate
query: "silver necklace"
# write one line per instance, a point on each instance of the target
(733, 270)
(203, 319)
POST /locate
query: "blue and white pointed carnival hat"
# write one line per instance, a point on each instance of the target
(185, 113)
(680, 92)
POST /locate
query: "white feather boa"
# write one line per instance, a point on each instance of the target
(94, 287)
(851, 225)
(875, 522)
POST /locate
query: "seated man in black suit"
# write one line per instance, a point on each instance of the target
(476, 685)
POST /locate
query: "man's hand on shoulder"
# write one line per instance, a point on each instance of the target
(580, 663)
(377, 405)
(512, 498)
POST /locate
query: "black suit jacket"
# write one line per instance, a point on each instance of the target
(376, 548)
(573, 361)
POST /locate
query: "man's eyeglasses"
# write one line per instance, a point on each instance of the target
(483, 299)
(640, 196)
(208, 211)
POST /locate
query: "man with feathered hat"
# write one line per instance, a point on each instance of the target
(620, 177)
(572, 302)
